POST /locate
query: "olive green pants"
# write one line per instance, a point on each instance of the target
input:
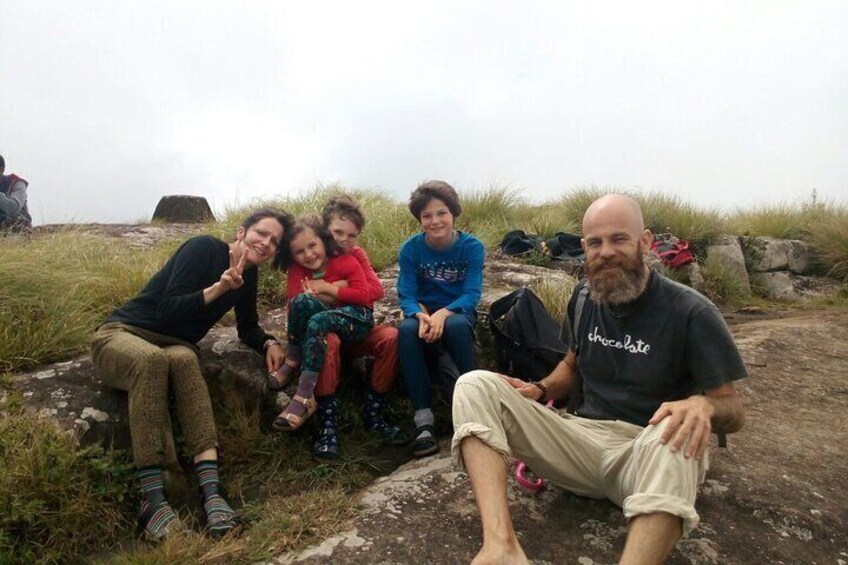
(150, 367)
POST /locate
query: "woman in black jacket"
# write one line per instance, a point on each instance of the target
(147, 347)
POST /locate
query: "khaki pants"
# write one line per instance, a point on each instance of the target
(148, 366)
(595, 458)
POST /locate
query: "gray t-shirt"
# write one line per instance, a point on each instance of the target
(669, 344)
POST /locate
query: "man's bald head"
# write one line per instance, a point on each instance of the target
(614, 239)
(616, 209)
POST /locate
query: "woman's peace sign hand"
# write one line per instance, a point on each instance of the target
(231, 278)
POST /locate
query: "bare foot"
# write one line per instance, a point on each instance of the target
(507, 554)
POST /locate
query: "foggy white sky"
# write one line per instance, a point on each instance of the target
(105, 106)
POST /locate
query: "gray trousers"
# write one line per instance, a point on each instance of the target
(150, 367)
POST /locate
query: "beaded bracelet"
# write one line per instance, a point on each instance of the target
(543, 388)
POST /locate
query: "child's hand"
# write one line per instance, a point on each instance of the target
(424, 325)
(437, 325)
(306, 288)
(320, 286)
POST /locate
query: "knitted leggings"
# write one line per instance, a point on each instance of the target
(148, 365)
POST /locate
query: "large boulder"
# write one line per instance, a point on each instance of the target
(767, 254)
(181, 208)
(73, 396)
(787, 286)
(727, 250)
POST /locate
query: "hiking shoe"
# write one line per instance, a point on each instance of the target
(375, 422)
(426, 444)
(391, 435)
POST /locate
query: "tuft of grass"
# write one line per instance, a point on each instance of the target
(721, 284)
(489, 213)
(59, 287)
(573, 204)
(828, 236)
(554, 292)
(782, 221)
(282, 523)
(57, 500)
(667, 213)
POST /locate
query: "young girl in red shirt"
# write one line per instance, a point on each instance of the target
(327, 292)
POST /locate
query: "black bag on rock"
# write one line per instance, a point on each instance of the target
(526, 338)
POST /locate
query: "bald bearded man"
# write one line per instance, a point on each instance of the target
(657, 364)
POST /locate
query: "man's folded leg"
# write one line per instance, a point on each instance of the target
(563, 449)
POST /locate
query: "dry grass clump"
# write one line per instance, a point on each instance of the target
(721, 284)
(554, 292)
(782, 220)
(57, 288)
(57, 500)
(667, 213)
(282, 523)
(489, 213)
(828, 236)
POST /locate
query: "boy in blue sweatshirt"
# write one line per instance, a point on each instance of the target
(439, 286)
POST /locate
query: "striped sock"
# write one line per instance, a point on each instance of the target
(156, 514)
(220, 518)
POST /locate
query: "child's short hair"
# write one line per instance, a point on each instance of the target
(284, 257)
(345, 208)
(429, 190)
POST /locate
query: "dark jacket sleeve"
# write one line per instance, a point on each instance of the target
(247, 319)
(183, 295)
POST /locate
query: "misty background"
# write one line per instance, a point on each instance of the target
(107, 106)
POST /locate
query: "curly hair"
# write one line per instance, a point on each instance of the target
(284, 258)
(429, 190)
(345, 208)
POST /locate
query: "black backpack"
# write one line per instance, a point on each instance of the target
(526, 338)
(528, 342)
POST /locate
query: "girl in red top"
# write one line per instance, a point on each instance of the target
(327, 292)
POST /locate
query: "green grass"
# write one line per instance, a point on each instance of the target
(57, 500)
(782, 220)
(56, 289)
(721, 284)
(828, 237)
(666, 213)
(554, 294)
(489, 213)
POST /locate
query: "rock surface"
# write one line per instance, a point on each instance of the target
(775, 495)
(787, 286)
(181, 208)
(728, 251)
(768, 254)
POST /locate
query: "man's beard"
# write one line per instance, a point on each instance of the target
(621, 286)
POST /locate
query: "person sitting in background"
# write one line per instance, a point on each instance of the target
(439, 285)
(147, 347)
(14, 215)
